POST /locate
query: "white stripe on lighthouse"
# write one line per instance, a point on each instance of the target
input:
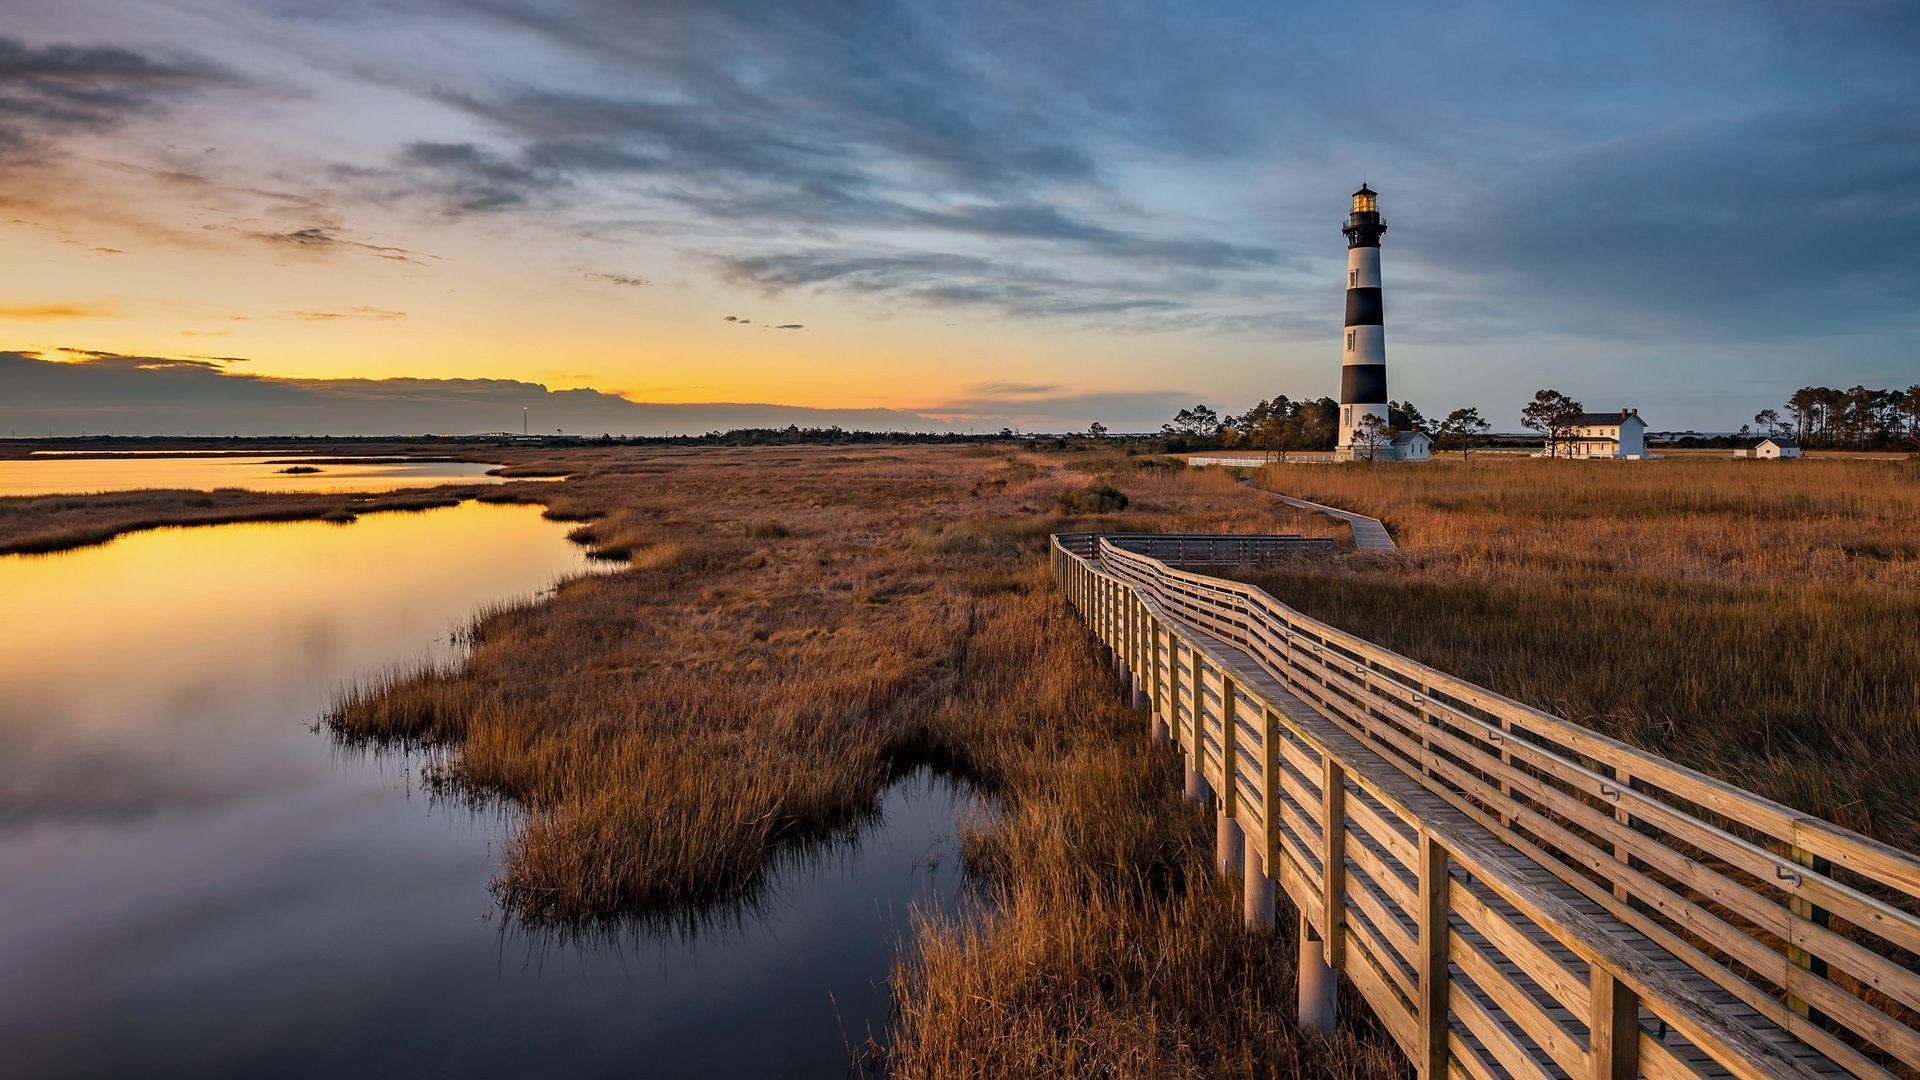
(1364, 345)
(1363, 268)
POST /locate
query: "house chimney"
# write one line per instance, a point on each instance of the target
(1624, 414)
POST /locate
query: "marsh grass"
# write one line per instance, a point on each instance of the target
(40, 524)
(675, 731)
(1758, 621)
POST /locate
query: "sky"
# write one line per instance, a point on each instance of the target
(367, 216)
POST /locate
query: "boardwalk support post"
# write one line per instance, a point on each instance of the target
(1197, 790)
(1319, 984)
(1256, 892)
(1229, 842)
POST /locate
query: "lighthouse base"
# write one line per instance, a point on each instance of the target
(1404, 446)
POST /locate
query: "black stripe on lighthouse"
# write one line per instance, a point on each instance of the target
(1364, 308)
(1363, 384)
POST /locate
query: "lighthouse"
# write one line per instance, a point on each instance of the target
(1363, 355)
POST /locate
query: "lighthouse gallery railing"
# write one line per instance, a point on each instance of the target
(1513, 894)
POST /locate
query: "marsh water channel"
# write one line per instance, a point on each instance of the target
(196, 882)
(71, 474)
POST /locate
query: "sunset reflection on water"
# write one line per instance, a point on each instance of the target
(72, 475)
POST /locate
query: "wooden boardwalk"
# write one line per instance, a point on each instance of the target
(1514, 895)
(1368, 533)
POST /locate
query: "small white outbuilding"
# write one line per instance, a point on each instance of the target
(1777, 446)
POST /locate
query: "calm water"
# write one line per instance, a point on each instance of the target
(50, 475)
(194, 883)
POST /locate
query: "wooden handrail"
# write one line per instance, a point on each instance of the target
(1606, 912)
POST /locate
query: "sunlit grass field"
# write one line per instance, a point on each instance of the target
(1756, 620)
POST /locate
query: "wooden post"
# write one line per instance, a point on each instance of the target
(1434, 935)
(1142, 657)
(1270, 789)
(1805, 909)
(1197, 688)
(1622, 780)
(1174, 688)
(1333, 856)
(1614, 1022)
(1229, 743)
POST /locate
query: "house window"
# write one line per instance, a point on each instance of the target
(1349, 341)
(1349, 419)
(1353, 279)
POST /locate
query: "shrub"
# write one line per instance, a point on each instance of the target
(1098, 497)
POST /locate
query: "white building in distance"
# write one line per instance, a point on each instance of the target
(1411, 446)
(1620, 435)
(1772, 448)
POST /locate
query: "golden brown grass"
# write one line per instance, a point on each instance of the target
(794, 629)
(38, 524)
(1756, 620)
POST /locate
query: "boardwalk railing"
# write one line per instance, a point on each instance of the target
(1513, 894)
(1201, 549)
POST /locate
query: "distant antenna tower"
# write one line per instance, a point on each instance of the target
(523, 421)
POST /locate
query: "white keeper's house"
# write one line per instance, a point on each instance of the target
(1609, 435)
(1410, 446)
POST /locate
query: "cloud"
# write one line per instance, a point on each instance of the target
(351, 313)
(1039, 222)
(53, 90)
(318, 239)
(1014, 391)
(57, 311)
(98, 392)
(468, 178)
(942, 279)
(97, 360)
(1033, 408)
(790, 326)
(632, 280)
(1708, 231)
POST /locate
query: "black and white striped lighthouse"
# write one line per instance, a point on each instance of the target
(1363, 356)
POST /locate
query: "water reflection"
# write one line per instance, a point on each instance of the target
(66, 475)
(197, 884)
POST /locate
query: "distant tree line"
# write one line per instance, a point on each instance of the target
(1281, 426)
(1821, 417)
